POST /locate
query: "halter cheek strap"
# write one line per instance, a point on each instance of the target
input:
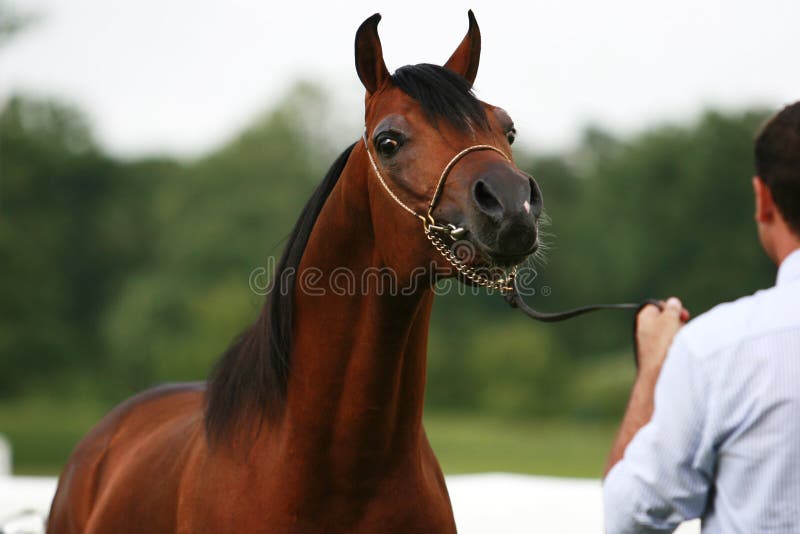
(386, 186)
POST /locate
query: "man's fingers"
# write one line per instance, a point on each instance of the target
(673, 307)
(650, 311)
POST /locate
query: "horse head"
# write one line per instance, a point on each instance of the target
(444, 157)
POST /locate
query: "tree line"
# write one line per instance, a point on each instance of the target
(121, 274)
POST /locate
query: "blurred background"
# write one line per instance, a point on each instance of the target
(153, 154)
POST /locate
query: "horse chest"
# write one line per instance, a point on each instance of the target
(289, 500)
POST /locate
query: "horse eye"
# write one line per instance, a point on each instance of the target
(387, 146)
(511, 135)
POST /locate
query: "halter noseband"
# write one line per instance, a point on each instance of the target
(428, 222)
(433, 230)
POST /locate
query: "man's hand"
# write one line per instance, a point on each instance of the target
(655, 330)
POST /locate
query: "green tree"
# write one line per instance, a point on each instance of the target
(218, 219)
(138, 271)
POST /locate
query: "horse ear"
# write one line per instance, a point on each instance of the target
(369, 55)
(465, 59)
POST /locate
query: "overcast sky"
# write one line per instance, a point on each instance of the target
(181, 76)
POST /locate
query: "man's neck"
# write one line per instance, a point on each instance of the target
(785, 249)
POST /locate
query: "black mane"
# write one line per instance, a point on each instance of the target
(250, 378)
(442, 94)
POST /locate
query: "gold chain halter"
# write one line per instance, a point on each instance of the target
(434, 231)
(506, 284)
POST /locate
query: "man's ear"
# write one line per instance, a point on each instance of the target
(765, 205)
(465, 59)
(369, 55)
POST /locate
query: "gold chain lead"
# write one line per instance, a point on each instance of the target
(504, 284)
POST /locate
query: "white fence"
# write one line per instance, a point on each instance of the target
(24, 503)
(483, 504)
(5, 457)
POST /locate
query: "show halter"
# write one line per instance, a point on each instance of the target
(506, 284)
(435, 231)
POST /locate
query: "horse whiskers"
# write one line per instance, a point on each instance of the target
(544, 219)
(546, 238)
(538, 258)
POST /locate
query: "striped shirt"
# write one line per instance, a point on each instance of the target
(723, 443)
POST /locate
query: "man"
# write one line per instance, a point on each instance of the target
(712, 428)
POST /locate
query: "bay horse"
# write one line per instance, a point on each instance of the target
(311, 421)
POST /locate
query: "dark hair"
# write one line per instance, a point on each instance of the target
(250, 377)
(778, 162)
(441, 93)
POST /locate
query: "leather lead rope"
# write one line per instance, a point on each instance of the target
(514, 299)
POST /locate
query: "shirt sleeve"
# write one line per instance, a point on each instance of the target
(665, 474)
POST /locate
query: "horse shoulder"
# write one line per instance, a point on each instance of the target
(130, 459)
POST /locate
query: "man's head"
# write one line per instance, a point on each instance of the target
(777, 183)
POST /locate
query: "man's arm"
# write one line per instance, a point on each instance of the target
(638, 414)
(661, 465)
(655, 331)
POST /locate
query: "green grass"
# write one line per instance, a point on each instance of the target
(562, 447)
(43, 432)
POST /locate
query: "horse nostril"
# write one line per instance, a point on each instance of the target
(486, 200)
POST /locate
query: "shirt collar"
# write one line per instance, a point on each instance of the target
(789, 269)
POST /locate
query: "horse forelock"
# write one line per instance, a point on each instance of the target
(442, 94)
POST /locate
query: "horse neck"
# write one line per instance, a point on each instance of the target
(357, 375)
